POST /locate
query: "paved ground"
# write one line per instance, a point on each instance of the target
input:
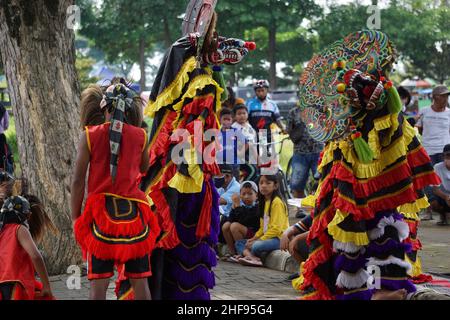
(436, 243)
(233, 282)
(237, 282)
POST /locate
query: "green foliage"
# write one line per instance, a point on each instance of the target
(11, 138)
(252, 20)
(118, 27)
(83, 66)
(413, 26)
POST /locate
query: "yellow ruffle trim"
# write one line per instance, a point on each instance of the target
(298, 282)
(410, 210)
(309, 201)
(197, 83)
(192, 183)
(358, 238)
(173, 91)
(386, 157)
(416, 268)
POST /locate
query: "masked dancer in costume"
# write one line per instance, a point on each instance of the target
(186, 98)
(373, 170)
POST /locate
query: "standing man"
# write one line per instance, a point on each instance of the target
(434, 124)
(263, 111)
(306, 153)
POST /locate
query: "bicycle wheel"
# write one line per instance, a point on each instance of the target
(284, 186)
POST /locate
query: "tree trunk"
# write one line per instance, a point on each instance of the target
(142, 62)
(272, 56)
(37, 50)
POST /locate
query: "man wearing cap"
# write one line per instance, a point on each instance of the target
(226, 185)
(434, 124)
(440, 200)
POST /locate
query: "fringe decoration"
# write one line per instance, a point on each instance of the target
(350, 264)
(352, 280)
(362, 149)
(95, 212)
(402, 228)
(358, 238)
(189, 277)
(394, 103)
(390, 245)
(348, 247)
(390, 260)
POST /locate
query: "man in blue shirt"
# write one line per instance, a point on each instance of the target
(227, 185)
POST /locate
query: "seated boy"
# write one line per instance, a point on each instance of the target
(244, 217)
(440, 198)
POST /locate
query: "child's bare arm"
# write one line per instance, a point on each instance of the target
(26, 241)
(79, 177)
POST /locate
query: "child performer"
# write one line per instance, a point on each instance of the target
(117, 225)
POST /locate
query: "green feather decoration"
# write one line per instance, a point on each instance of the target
(218, 77)
(393, 100)
(362, 149)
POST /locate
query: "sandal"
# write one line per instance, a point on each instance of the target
(234, 258)
(249, 262)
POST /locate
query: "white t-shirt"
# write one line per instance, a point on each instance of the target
(443, 173)
(436, 129)
(247, 130)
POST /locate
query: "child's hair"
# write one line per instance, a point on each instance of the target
(39, 221)
(225, 112)
(239, 107)
(92, 114)
(276, 193)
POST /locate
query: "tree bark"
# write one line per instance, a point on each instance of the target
(272, 56)
(39, 61)
(142, 62)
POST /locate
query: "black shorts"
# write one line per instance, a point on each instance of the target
(104, 269)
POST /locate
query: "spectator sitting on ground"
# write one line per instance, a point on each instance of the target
(440, 199)
(226, 185)
(273, 222)
(243, 221)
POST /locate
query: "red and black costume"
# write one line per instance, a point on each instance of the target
(117, 225)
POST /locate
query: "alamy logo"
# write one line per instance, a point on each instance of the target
(73, 20)
(74, 280)
(374, 20)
